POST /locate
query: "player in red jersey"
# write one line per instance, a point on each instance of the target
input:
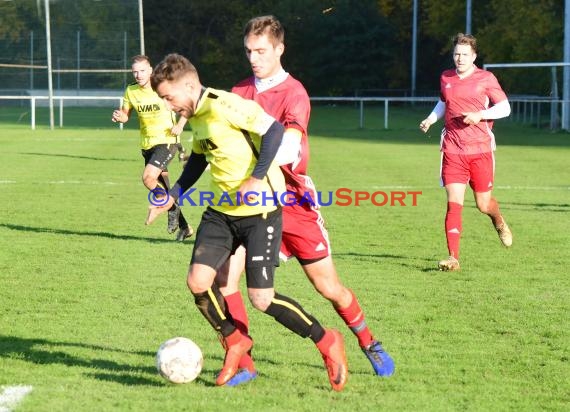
(470, 98)
(304, 234)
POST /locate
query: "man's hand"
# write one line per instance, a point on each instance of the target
(176, 130)
(154, 210)
(472, 117)
(424, 125)
(251, 185)
(119, 116)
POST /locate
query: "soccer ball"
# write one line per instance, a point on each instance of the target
(179, 360)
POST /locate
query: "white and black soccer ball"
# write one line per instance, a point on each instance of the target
(179, 360)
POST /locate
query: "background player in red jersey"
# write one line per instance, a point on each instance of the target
(470, 98)
(304, 234)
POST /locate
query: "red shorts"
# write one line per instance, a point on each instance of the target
(476, 169)
(304, 234)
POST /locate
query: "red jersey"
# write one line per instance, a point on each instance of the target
(471, 94)
(288, 102)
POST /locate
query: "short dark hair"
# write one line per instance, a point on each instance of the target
(172, 67)
(266, 25)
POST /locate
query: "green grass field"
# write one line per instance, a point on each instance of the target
(88, 292)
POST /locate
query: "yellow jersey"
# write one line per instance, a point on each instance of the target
(155, 120)
(218, 127)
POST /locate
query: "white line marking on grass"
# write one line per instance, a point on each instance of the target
(68, 182)
(546, 188)
(77, 182)
(533, 187)
(11, 396)
(393, 187)
(387, 187)
(76, 139)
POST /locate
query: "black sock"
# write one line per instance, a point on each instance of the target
(212, 305)
(182, 223)
(291, 315)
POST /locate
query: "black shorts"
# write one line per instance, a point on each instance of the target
(160, 155)
(219, 235)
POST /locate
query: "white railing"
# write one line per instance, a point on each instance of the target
(525, 109)
(34, 99)
(386, 100)
(527, 112)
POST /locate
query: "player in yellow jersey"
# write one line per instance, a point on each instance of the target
(159, 132)
(239, 140)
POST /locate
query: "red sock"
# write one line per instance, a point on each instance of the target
(325, 343)
(453, 228)
(236, 308)
(233, 338)
(353, 316)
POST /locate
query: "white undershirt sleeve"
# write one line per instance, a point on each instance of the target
(290, 147)
(437, 113)
(497, 111)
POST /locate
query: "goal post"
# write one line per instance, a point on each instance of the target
(70, 47)
(565, 102)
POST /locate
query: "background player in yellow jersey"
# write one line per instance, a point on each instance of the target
(239, 140)
(159, 132)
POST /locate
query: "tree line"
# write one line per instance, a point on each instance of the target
(335, 47)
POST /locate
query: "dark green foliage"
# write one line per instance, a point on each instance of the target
(336, 47)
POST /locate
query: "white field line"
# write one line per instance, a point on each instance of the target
(533, 187)
(545, 188)
(386, 187)
(77, 182)
(11, 396)
(76, 139)
(66, 182)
